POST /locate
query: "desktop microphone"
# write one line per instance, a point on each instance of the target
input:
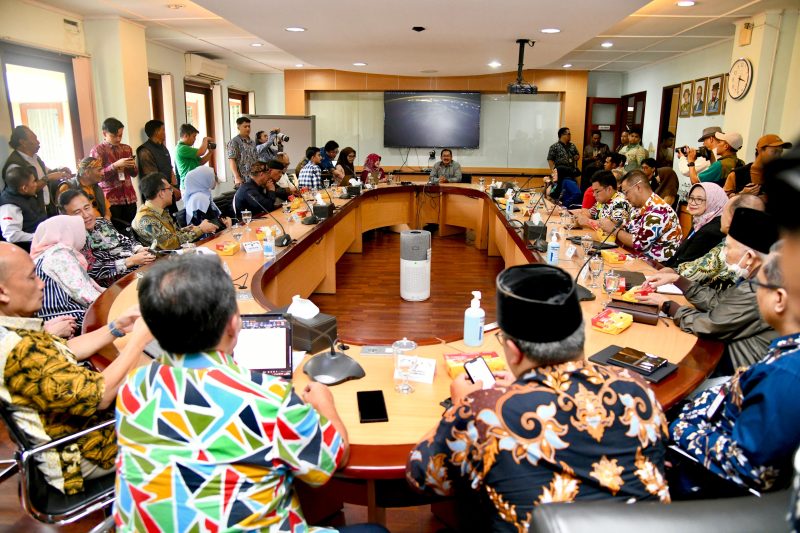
(283, 240)
(540, 244)
(311, 219)
(585, 294)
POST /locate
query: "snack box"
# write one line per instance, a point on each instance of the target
(611, 322)
(455, 361)
(600, 236)
(228, 248)
(613, 257)
(630, 295)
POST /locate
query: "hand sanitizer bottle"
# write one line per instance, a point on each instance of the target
(510, 204)
(474, 317)
(269, 246)
(553, 247)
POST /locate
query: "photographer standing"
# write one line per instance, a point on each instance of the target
(727, 146)
(273, 146)
(187, 157)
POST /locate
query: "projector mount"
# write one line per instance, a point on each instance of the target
(520, 86)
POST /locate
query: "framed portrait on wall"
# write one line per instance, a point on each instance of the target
(724, 95)
(699, 97)
(685, 107)
(714, 96)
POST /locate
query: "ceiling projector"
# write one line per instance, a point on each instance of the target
(520, 86)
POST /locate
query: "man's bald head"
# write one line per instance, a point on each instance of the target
(749, 201)
(21, 290)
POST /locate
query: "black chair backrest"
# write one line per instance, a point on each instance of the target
(466, 178)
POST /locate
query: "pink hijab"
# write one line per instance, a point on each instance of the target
(61, 229)
(715, 203)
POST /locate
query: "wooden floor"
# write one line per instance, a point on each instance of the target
(368, 305)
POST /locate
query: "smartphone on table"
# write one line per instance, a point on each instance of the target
(478, 370)
(371, 406)
(637, 360)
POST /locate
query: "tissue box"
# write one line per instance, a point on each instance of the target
(353, 191)
(323, 211)
(612, 322)
(228, 248)
(307, 340)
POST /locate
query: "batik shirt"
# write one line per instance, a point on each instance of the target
(751, 437)
(562, 155)
(655, 229)
(110, 249)
(618, 208)
(206, 445)
(709, 270)
(117, 192)
(574, 431)
(244, 152)
(634, 155)
(154, 224)
(52, 396)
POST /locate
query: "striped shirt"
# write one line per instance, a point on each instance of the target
(56, 301)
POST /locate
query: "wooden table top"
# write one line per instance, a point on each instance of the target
(379, 451)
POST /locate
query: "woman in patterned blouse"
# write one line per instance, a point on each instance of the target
(114, 254)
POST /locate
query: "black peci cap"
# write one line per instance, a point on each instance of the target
(755, 229)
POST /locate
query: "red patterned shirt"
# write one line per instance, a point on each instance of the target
(655, 229)
(118, 192)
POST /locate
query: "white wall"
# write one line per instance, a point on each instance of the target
(605, 84)
(270, 94)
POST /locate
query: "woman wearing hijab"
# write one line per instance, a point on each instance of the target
(114, 254)
(58, 252)
(198, 201)
(565, 189)
(706, 203)
(373, 166)
(344, 164)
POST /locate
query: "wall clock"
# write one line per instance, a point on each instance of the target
(739, 78)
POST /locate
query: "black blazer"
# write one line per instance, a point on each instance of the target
(698, 244)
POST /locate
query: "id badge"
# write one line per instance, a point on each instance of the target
(714, 410)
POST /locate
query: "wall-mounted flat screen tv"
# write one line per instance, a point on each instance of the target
(413, 119)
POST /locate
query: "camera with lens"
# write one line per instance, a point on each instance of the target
(212, 146)
(702, 151)
(282, 138)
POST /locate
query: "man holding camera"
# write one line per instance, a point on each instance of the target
(273, 146)
(187, 157)
(241, 152)
(727, 146)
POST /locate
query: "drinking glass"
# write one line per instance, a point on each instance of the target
(402, 364)
(570, 222)
(389, 179)
(482, 184)
(596, 268)
(247, 216)
(236, 230)
(586, 244)
(287, 208)
(326, 183)
(610, 284)
(188, 248)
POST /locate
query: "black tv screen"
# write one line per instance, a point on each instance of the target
(413, 119)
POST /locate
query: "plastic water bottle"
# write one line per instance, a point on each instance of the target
(510, 204)
(269, 246)
(474, 318)
(553, 247)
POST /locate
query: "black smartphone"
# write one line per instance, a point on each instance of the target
(637, 360)
(371, 406)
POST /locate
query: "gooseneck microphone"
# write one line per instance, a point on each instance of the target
(585, 294)
(540, 245)
(283, 240)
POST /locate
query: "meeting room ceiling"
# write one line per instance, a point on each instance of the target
(461, 37)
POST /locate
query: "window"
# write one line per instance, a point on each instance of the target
(237, 106)
(199, 109)
(156, 97)
(41, 95)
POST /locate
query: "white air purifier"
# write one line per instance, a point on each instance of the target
(415, 265)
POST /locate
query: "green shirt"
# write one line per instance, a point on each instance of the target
(186, 159)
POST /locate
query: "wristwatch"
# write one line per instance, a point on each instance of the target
(665, 307)
(114, 331)
(690, 164)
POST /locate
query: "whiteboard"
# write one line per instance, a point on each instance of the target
(299, 129)
(516, 130)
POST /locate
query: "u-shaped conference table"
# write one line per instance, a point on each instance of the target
(379, 451)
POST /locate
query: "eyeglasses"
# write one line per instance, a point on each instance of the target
(755, 284)
(631, 188)
(500, 337)
(695, 200)
(165, 188)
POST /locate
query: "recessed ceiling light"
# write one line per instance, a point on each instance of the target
(175, 6)
(551, 30)
(566, 65)
(257, 45)
(495, 64)
(685, 3)
(607, 44)
(294, 28)
(359, 64)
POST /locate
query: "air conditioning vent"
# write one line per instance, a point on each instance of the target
(201, 67)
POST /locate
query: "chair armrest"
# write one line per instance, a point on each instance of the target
(27, 454)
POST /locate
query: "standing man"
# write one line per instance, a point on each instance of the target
(241, 152)
(556, 428)
(153, 156)
(564, 153)
(594, 155)
(310, 175)
(119, 168)
(187, 157)
(26, 145)
(634, 152)
(446, 170)
(727, 144)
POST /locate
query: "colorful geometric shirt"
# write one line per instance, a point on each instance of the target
(616, 209)
(634, 154)
(310, 176)
(52, 396)
(206, 445)
(708, 270)
(154, 224)
(243, 150)
(750, 438)
(118, 192)
(574, 431)
(655, 229)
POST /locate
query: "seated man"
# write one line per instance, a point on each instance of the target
(90, 172)
(747, 179)
(611, 203)
(327, 161)
(728, 437)
(153, 223)
(50, 394)
(446, 170)
(20, 209)
(290, 184)
(653, 229)
(311, 176)
(229, 435)
(731, 315)
(710, 269)
(615, 162)
(260, 192)
(557, 428)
